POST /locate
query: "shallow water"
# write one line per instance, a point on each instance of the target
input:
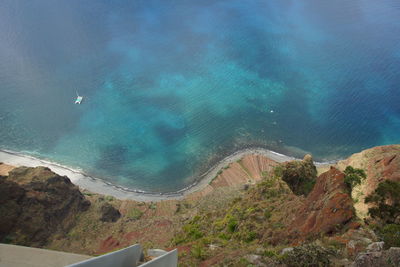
(172, 86)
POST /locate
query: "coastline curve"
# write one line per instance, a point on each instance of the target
(100, 186)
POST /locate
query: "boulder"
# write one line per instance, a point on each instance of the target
(299, 175)
(386, 258)
(109, 213)
(376, 246)
(286, 250)
(393, 255)
(255, 260)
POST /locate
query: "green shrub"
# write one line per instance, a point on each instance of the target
(386, 200)
(250, 237)
(134, 214)
(390, 234)
(232, 225)
(270, 254)
(308, 256)
(8, 239)
(224, 236)
(353, 177)
(278, 225)
(193, 231)
(271, 193)
(300, 176)
(267, 214)
(109, 198)
(198, 252)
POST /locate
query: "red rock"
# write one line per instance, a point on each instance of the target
(326, 208)
(109, 244)
(354, 225)
(380, 163)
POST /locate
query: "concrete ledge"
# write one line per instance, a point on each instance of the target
(19, 256)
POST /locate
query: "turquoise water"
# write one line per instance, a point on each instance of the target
(171, 86)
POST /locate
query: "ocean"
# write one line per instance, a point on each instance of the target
(172, 86)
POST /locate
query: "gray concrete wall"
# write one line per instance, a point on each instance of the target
(169, 259)
(127, 257)
(19, 256)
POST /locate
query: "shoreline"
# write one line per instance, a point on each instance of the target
(100, 186)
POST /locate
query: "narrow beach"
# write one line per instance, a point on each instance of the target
(100, 186)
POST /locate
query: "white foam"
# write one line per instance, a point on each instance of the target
(100, 186)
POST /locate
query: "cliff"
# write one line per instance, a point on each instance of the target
(255, 212)
(35, 204)
(380, 164)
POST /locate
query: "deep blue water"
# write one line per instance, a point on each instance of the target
(172, 85)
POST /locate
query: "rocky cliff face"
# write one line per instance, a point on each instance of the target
(325, 210)
(36, 203)
(251, 226)
(299, 175)
(380, 164)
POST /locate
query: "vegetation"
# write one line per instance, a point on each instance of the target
(386, 201)
(353, 177)
(308, 256)
(109, 198)
(390, 234)
(251, 220)
(198, 252)
(386, 210)
(299, 175)
(134, 214)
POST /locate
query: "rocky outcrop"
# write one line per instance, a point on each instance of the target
(36, 203)
(326, 208)
(299, 175)
(380, 163)
(378, 257)
(109, 213)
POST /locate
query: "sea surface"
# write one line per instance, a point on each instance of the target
(172, 86)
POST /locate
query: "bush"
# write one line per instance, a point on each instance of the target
(353, 177)
(193, 231)
(300, 176)
(390, 234)
(224, 236)
(250, 237)
(198, 252)
(134, 214)
(232, 225)
(386, 200)
(109, 198)
(270, 254)
(308, 256)
(267, 214)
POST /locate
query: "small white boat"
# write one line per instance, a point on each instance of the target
(78, 99)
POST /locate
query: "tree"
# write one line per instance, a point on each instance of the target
(353, 177)
(386, 201)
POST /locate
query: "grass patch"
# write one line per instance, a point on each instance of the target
(134, 214)
(109, 198)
